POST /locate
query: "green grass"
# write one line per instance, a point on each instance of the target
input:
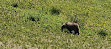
(32, 24)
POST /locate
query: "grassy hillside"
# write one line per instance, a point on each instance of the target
(32, 24)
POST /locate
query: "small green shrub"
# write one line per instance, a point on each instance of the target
(55, 11)
(32, 18)
(102, 33)
(15, 5)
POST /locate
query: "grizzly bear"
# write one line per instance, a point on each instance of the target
(71, 26)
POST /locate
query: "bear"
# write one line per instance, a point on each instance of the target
(71, 26)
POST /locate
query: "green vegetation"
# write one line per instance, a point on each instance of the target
(32, 24)
(102, 33)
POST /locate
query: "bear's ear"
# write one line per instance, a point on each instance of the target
(66, 24)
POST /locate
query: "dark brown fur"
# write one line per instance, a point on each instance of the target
(71, 27)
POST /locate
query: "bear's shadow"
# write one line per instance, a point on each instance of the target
(69, 32)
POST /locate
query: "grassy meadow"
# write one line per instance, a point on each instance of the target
(36, 24)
